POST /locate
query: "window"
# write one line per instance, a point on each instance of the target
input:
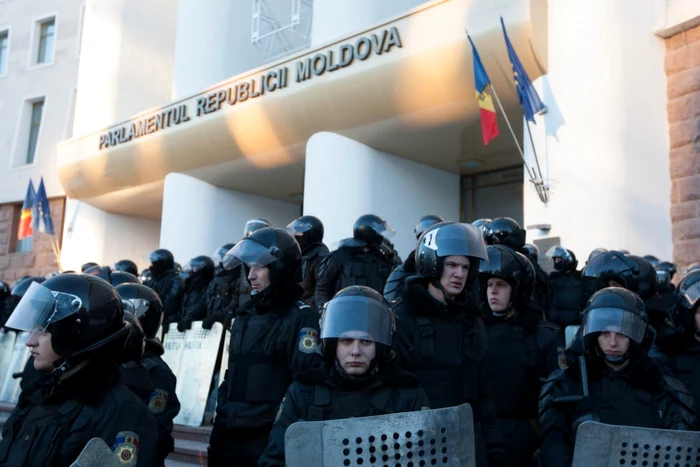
(34, 126)
(4, 50)
(47, 39)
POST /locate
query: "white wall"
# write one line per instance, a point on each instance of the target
(127, 60)
(334, 19)
(54, 81)
(198, 217)
(605, 138)
(345, 179)
(213, 43)
(91, 234)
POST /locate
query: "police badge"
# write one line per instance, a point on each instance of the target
(308, 340)
(158, 402)
(126, 447)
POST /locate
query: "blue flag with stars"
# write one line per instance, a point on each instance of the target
(527, 95)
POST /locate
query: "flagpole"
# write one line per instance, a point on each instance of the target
(533, 177)
(537, 159)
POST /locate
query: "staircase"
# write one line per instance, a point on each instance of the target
(190, 443)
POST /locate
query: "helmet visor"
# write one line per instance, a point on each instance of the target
(298, 227)
(614, 320)
(456, 240)
(254, 225)
(41, 306)
(557, 252)
(384, 229)
(689, 295)
(192, 267)
(357, 317)
(216, 257)
(136, 306)
(252, 254)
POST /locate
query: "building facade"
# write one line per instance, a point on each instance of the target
(192, 117)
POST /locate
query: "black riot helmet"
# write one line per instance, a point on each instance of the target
(103, 272)
(218, 256)
(357, 312)
(161, 260)
(200, 267)
(449, 239)
(425, 222)
(122, 277)
(511, 266)
(307, 230)
(136, 342)
(595, 253)
(531, 252)
(145, 276)
(483, 225)
(692, 267)
(144, 304)
(506, 231)
(83, 313)
(272, 248)
(4, 289)
(618, 310)
(612, 266)
(372, 229)
(648, 283)
(254, 225)
(126, 265)
(87, 266)
(564, 260)
(20, 288)
(688, 297)
(663, 279)
(667, 266)
(652, 259)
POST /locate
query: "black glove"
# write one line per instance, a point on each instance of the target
(209, 321)
(184, 324)
(228, 320)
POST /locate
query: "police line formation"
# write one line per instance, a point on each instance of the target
(468, 317)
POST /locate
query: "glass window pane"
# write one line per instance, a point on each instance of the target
(46, 42)
(35, 125)
(4, 40)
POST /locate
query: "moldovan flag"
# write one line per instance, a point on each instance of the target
(25, 218)
(489, 125)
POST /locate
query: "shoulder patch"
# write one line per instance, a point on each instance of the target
(308, 340)
(302, 305)
(126, 447)
(158, 402)
(561, 358)
(279, 411)
(395, 302)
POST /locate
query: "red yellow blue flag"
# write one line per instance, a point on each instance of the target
(25, 218)
(489, 124)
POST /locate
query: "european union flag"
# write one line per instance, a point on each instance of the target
(42, 220)
(529, 99)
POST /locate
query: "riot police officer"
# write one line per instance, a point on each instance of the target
(87, 266)
(77, 331)
(396, 283)
(308, 232)
(166, 283)
(6, 303)
(358, 378)
(144, 304)
(194, 306)
(685, 361)
(126, 265)
(614, 382)
(273, 340)
(222, 292)
(440, 335)
(117, 278)
(568, 296)
(665, 270)
(523, 349)
(357, 261)
(483, 225)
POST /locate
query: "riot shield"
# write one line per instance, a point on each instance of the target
(428, 437)
(570, 333)
(96, 454)
(601, 445)
(7, 343)
(20, 354)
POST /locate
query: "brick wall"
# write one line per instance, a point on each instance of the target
(41, 260)
(683, 73)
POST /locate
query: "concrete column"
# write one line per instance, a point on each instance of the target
(199, 217)
(213, 43)
(91, 234)
(334, 19)
(345, 179)
(604, 142)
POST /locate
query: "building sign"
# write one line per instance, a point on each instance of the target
(304, 69)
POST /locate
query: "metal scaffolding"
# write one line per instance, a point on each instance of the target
(281, 27)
